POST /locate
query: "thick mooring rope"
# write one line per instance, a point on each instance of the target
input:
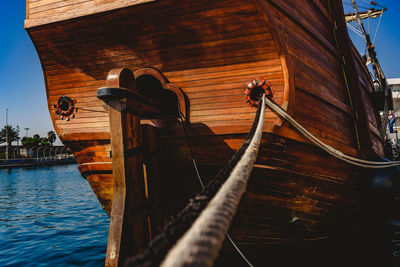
(154, 254)
(201, 243)
(202, 186)
(336, 153)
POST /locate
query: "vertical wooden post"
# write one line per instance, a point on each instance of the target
(350, 72)
(151, 164)
(128, 228)
(133, 212)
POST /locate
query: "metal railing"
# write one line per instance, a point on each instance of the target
(39, 153)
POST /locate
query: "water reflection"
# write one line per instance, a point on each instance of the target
(50, 217)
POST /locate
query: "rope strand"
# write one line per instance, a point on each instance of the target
(202, 185)
(178, 225)
(336, 153)
(377, 27)
(200, 245)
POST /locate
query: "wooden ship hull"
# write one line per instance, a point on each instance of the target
(205, 53)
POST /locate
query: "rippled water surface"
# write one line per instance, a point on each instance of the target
(49, 216)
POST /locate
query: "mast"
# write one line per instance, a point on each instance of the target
(372, 13)
(371, 51)
(382, 92)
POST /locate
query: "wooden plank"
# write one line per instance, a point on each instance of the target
(128, 230)
(323, 120)
(88, 136)
(299, 20)
(54, 6)
(180, 63)
(229, 89)
(168, 7)
(216, 63)
(227, 105)
(225, 73)
(234, 112)
(76, 73)
(245, 78)
(233, 67)
(77, 131)
(323, 10)
(60, 16)
(311, 80)
(362, 131)
(324, 95)
(151, 163)
(183, 75)
(159, 42)
(327, 69)
(90, 101)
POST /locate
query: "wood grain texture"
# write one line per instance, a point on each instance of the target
(207, 52)
(50, 11)
(128, 229)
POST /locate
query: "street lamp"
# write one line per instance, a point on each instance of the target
(6, 133)
(26, 129)
(18, 141)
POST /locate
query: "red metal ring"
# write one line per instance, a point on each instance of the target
(262, 83)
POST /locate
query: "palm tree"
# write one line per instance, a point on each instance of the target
(36, 139)
(10, 132)
(26, 141)
(51, 137)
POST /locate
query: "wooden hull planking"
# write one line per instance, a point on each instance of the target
(212, 50)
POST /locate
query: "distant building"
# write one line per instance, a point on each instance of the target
(394, 85)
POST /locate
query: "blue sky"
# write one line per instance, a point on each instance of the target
(387, 42)
(22, 85)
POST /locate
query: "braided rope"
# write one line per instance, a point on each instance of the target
(336, 153)
(158, 248)
(202, 186)
(201, 243)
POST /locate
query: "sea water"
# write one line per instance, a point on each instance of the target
(49, 216)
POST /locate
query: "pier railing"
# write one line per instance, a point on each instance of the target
(38, 152)
(34, 156)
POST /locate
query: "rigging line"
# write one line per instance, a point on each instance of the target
(356, 26)
(195, 248)
(377, 27)
(351, 27)
(380, 5)
(369, 2)
(350, 4)
(385, 119)
(369, 25)
(181, 222)
(93, 110)
(202, 185)
(190, 149)
(342, 62)
(332, 151)
(366, 1)
(354, 29)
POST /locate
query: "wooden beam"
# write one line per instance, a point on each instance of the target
(134, 102)
(128, 223)
(351, 77)
(77, 10)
